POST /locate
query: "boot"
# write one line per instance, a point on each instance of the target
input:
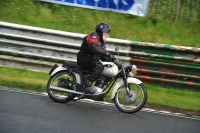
(88, 85)
(86, 81)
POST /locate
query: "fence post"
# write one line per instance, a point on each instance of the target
(177, 10)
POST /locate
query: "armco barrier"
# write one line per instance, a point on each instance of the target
(38, 48)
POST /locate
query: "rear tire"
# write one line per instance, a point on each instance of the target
(64, 80)
(133, 103)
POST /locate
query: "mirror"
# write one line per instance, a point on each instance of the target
(117, 49)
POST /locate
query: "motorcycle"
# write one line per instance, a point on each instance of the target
(128, 93)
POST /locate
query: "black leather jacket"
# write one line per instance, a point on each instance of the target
(93, 46)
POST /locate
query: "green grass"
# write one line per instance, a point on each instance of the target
(23, 78)
(32, 80)
(186, 99)
(79, 20)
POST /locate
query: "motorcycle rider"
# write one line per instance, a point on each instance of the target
(93, 49)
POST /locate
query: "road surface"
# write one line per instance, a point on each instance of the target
(31, 113)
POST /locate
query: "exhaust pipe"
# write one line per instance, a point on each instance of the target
(59, 89)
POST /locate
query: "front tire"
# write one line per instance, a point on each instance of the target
(132, 102)
(64, 80)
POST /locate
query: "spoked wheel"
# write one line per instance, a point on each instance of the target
(132, 101)
(63, 80)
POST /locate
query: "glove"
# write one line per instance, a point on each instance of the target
(112, 57)
(115, 60)
(119, 64)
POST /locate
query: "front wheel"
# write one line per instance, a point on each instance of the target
(131, 101)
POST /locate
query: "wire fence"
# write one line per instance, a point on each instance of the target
(175, 10)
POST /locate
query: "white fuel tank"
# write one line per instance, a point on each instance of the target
(110, 69)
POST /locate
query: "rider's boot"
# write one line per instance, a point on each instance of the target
(86, 81)
(88, 84)
(100, 83)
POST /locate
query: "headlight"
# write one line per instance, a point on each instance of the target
(132, 70)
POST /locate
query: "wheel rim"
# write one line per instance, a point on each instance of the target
(63, 80)
(130, 97)
(133, 101)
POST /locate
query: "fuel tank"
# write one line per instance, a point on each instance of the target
(110, 69)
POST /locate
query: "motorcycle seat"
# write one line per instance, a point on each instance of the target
(72, 65)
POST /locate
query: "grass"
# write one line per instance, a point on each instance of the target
(185, 99)
(80, 20)
(26, 79)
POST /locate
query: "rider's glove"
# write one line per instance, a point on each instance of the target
(116, 61)
(112, 57)
(119, 64)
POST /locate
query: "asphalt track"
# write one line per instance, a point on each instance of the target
(35, 113)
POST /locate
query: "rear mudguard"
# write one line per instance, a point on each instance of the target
(60, 68)
(120, 82)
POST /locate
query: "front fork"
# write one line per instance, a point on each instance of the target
(124, 76)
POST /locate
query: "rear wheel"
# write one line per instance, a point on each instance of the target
(132, 101)
(62, 79)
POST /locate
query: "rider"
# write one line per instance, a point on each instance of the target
(92, 50)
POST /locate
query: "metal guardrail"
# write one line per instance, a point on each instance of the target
(38, 49)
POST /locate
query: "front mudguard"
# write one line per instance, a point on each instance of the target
(120, 82)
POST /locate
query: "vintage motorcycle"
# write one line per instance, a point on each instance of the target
(128, 93)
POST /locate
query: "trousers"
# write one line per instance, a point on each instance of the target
(90, 63)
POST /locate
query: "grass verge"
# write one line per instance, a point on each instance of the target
(184, 101)
(81, 20)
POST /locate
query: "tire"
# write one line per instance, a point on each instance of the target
(64, 80)
(133, 103)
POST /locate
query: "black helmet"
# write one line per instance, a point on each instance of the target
(102, 27)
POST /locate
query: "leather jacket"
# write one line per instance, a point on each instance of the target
(94, 46)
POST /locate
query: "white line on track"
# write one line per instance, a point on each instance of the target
(105, 103)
